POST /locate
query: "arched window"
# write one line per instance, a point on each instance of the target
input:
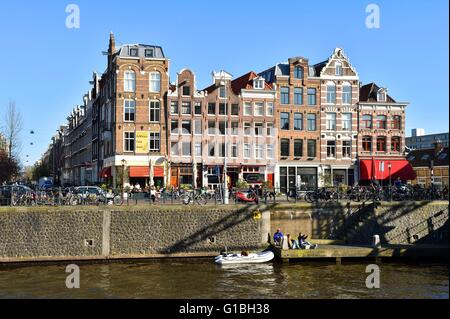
(155, 82)
(298, 72)
(129, 81)
(331, 93)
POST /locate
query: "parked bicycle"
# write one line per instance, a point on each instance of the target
(190, 197)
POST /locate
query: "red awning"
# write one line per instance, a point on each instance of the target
(142, 171)
(365, 170)
(158, 171)
(378, 169)
(106, 172)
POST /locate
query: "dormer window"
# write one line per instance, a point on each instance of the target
(298, 72)
(222, 93)
(134, 52)
(258, 84)
(149, 53)
(186, 90)
(338, 69)
(381, 96)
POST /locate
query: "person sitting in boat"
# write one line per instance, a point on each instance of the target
(244, 253)
(304, 244)
(278, 238)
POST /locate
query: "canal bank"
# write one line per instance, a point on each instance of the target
(139, 232)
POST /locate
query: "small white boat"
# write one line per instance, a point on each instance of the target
(227, 259)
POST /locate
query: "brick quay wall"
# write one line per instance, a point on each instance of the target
(70, 233)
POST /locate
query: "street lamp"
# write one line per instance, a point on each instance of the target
(124, 163)
(390, 181)
(225, 173)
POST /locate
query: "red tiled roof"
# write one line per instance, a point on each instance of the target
(245, 82)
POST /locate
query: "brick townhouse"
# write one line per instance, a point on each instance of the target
(338, 119)
(132, 122)
(228, 123)
(297, 123)
(381, 138)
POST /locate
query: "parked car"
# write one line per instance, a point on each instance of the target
(18, 190)
(89, 190)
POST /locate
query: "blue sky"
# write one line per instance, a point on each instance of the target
(48, 67)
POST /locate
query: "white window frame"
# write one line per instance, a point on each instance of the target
(260, 126)
(331, 121)
(338, 66)
(196, 121)
(155, 102)
(171, 108)
(270, 151)
(234, 146)
(270, 129)
(182, 148)
(182, 131)
(129, 81)
(247, 107)
(331, 96)
(155, 83)
(258, 108)
(196, 148)
(249, 127)
(154, 139)
(258, 84)
(347, 96)
(348, 121)
(346, 147)
(259, 151)
(246, 148)
(177, 148)
(269, 109)
(125, 110)
(183, 104)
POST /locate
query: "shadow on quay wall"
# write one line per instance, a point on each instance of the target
(357, 225)
(240, 216)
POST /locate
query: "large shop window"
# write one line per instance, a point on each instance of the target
(303, 178)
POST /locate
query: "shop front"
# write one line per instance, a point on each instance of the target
(297, 177)
(141, 175)
(186, 174)
(335, 176)
(385, 170)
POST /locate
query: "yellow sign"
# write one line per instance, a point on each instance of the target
(142, 142)
(257, 215)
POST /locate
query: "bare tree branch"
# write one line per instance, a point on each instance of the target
(13, 128)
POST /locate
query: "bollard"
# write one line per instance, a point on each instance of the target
(376, 241)
(285, 245)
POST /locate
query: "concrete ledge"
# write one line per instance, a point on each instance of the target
(17, 260)
(339, 251)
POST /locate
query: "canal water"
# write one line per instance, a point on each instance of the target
(201, 278)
